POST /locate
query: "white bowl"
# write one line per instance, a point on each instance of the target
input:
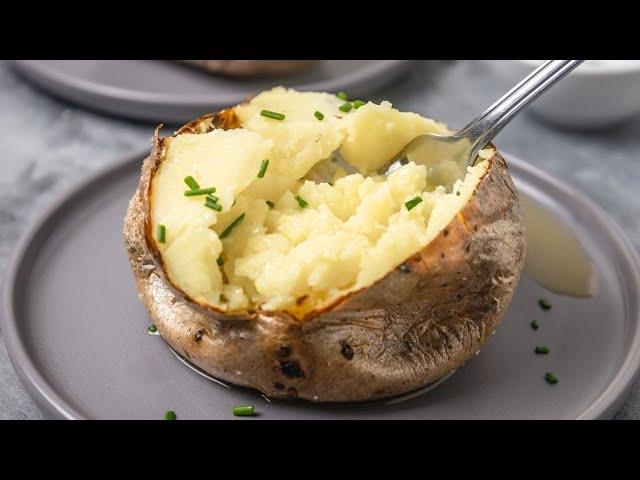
(597, 94)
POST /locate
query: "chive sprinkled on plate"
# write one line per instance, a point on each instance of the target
(161, 233)
(227, 231)
(358, 103)
(541, 350)
(413, 202)
(342, 96)
(458, 193)
(263, 168)
(170, 415)
(534, 325)
(550, 378)
(199, 191)
(270, 203)
(243, 410)
(152, 328)
(345, 107)
(302, 202)
(274, 115)
(544, 304)
(318, 115)
(191, 183)
(220, 261)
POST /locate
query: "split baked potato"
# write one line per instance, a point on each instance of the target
(305, 280)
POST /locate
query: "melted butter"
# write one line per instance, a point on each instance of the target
(555, 257)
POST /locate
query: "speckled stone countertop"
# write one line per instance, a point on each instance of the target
(48, 145)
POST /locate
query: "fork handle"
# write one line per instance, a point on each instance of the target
(482, 129)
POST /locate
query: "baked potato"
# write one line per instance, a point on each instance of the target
(354, 288)
(251, 68)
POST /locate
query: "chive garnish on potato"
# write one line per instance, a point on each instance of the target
(274, 115)
(191, 183)
(318, 115)
(358, 103)
(413, 202)
(270, 203)
(212, 204)
(302, 202)
(345, 107)
(263, 168)
(243, 410)
(342, 96)
(227, 231)
(161, 234)
(199, 191)
(220, 261)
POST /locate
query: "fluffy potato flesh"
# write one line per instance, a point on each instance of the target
(291, 241)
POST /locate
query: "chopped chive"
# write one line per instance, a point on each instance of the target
(413, 202)
(191, 183)
(534, 325)
(152, 328)
(270, 203)
(243, 410)
(161, 233)
(458, 193)
(550, 378)
(342, 96)
(220, 261)
(541, 350)
(404, 161)
(544, 304)
(263, 168)
(302, 202)
(199, 191)
(345, 107)
(274, 115)
(213, 198)
(234, 203)
(231, 226)
(212, 204)
(318, 115)
(358, 103)
(170, 415)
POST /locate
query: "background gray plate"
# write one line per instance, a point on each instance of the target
(76, 331)
(168, 92)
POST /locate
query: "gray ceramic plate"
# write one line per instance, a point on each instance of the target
(168, 92)
(76, 331)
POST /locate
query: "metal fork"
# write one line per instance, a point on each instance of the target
(467, 142)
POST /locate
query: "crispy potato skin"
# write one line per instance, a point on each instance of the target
(418, 323)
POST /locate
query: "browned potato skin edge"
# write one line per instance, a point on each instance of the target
(412, 327)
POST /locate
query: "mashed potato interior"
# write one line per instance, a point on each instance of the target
(308, 231)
